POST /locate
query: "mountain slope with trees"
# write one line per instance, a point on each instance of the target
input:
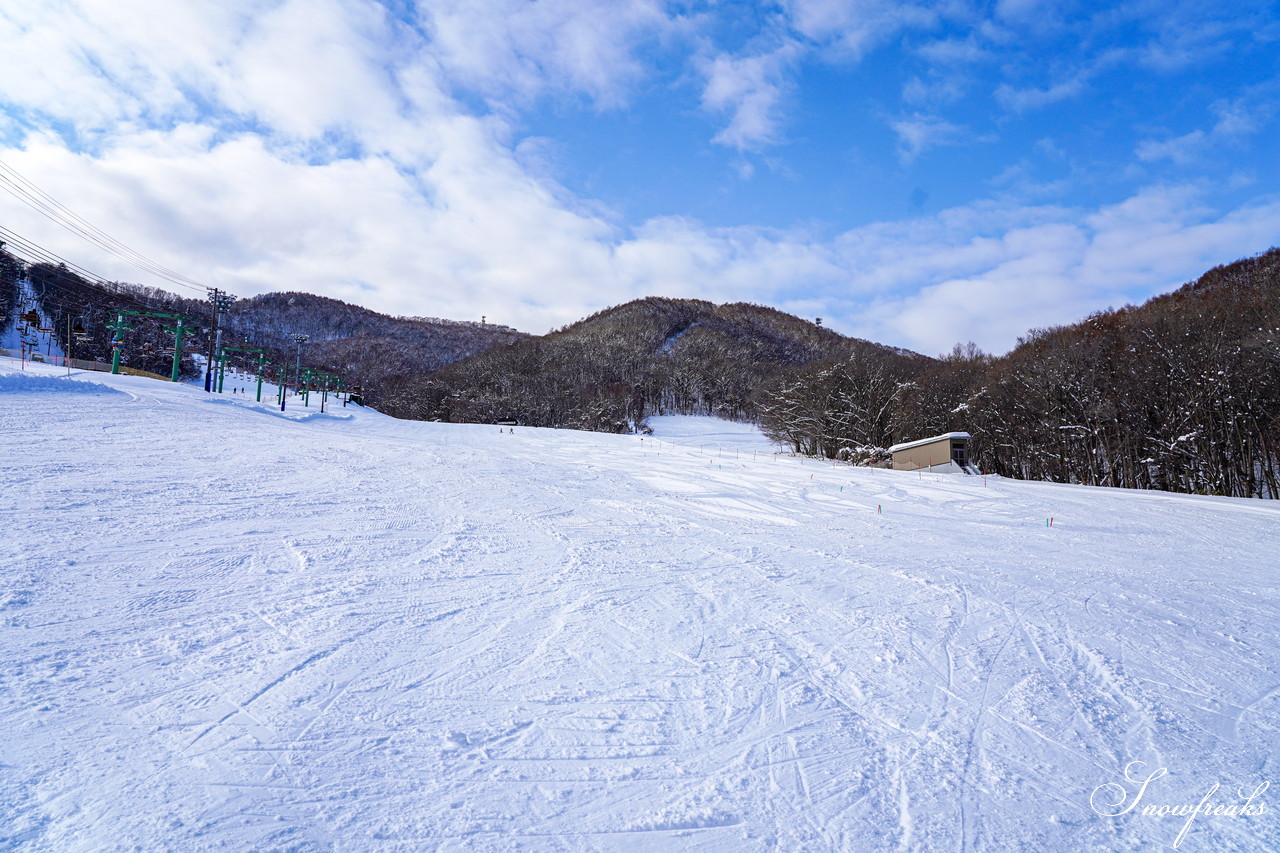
(615, 368)
(364, 347)
(1181, 393)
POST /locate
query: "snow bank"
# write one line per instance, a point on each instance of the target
(26, 383)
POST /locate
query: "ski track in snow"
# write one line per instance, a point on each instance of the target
(226, 626)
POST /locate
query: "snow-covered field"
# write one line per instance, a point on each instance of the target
(227, 628)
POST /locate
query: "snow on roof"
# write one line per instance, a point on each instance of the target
(921, 442)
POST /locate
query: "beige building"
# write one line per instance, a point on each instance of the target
(946, 454)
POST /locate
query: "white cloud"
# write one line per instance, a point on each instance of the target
(1187, 35)
(524, 48)
(752, 86)
(321, 147)
(1068, 83)
(1181, 149)
(918, 133)
(850, 30)
(474, 234)
(1058, 269)
(937, 89)
(1035, 15)
(484, 239)
(310, 66)
(1029, 98)
(64, 61)
(1235, 119)
(750, 89)
(954, 51)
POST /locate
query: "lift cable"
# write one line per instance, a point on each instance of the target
(28, 193)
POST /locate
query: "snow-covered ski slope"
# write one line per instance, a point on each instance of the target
(227, 628)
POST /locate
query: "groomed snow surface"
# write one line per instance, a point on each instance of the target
(225, 627)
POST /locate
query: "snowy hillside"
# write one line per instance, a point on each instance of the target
(229, 627)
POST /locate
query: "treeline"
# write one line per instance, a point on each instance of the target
(1180, 394)
(612, 370)
(11, 272)
(362, 346)
(67, 301)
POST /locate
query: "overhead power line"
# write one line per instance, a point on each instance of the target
(31, 195)
(33, 253)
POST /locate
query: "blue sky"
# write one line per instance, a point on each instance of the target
(915, 173)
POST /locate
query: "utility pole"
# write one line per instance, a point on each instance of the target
(219, 303)
(262, 364)
(118, 328)
(213, 328)
(300, 340)
(177, 331)
(324, 394)
(224, 304)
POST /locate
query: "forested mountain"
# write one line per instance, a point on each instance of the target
(1182, 394)
(364, 347)
(615, 368)
(65, 301)
(10, 272)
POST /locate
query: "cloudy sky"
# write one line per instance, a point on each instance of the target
(915, 173)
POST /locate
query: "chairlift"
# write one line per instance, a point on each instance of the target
(44, 330)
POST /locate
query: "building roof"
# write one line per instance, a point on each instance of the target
(921, 442)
